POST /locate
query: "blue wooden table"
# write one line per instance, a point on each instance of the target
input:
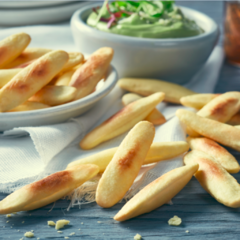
(201, 215)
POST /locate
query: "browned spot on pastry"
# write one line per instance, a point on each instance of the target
(126, 160)
(122, 112)
(24, 64)
(209, 167)
(41, 69)
(52, 182)
(3, 52)
(221, 108)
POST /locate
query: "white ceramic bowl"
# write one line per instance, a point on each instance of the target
(60, 113)
(175, 60)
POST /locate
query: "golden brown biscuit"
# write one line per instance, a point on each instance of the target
(7, 74)
(197, 101)
(173, 92)
(48, 189)
(27, 55)
(125, 165)
(219, 132)
(31, 79)
(122, 121)
(54, 95)
(29, 106)
(90, 73)
(226, 159)
(12, 46)
(158, 151)
(221, 109)
(157, 193)
(154, 117)
(215, 179)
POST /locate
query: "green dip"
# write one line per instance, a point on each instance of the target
(144, 19)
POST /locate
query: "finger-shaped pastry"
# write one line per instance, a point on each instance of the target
(86, 77)
(48, 189)
(220, 154)
(158, 151)
(7, 74)
(54, 95)
(221, 108)
(215, 179)
(122, 121)
(27, 55)
(29, 106)
(75, 58)
(125, 165)
(235, 120)
(12, 46)
(31, 79)
(157, 193)
(146, 87)
(197, 101)
(64, 79)
(154, 117)
(219, 132)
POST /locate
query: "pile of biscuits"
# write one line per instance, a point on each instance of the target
(118, 167)
(37, 78)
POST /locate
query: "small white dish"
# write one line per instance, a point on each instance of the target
(60, 113)
(173, 59)
(30, 13)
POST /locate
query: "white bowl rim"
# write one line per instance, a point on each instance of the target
(76, 19)
(110, 82)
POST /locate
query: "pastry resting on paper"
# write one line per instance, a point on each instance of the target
(173, 92)
(31, 79)
(26, 56)
(48, 189)
(157, 193)
(219, 132)
(221, 109)
(125, 165)
(220, 154)
(197, 101)
(154, 117)
(86, 78)
(215, 179)
(122, 121)
(158, 151)
(12, 46)
(54, 95)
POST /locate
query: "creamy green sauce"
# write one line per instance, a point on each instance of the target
(172, 24)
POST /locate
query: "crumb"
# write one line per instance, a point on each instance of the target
(51, 223)
(61, 223)
(175, 221)
(7, 221)
(29, 234)
(81, 222)
(59, 231)
(187, 231)
(30, 214)
(21, 239)
(38, 238)
(23, 222)
(71, 234)
(79, 229)
(137, 237)
(99, 222)
(9, 215)
(11, 226)
(32, 230)
(18, 230)
(14, 213)
(66, 237)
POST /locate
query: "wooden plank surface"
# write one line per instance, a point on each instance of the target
(201, 215)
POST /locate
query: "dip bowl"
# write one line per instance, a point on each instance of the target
(173, 59)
